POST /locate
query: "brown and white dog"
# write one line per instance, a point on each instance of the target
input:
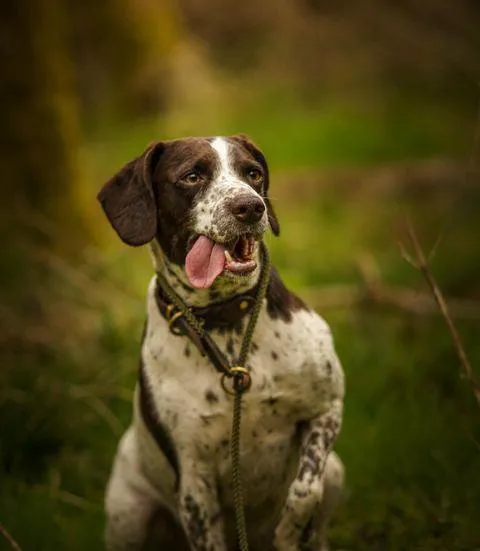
(202, 204)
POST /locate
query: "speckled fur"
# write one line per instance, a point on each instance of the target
(211, 214)
(291, 418)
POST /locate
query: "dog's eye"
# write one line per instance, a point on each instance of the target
(192, 178)
(255, 175)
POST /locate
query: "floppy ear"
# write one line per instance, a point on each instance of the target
(129, 201)
(247, 143)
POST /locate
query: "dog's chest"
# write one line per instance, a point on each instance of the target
(294, 375)
(287, 388)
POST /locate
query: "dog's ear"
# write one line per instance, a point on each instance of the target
(248, 144)
(129, 201)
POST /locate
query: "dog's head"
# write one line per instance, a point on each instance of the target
(204, 199)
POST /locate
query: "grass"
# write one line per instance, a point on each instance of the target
(411, 435)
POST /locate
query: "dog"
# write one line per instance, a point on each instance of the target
(203, 207)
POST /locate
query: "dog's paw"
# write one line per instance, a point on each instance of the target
(286, 538)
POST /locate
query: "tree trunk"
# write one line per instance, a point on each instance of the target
(38, 147)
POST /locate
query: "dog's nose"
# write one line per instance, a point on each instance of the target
(247, 208)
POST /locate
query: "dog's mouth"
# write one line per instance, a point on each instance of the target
(207, 259)
(239, 255)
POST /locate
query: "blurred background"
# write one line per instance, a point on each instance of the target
(367, 112)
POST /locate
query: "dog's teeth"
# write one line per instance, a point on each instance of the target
(228, 256)
(245, 247)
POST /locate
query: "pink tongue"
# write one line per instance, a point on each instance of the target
(205, 262)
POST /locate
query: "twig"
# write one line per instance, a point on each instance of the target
(421, 264)
(71, 499)
(9, 538)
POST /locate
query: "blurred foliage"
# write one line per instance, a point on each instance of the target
(120, 49)
(324, 47)
(365, 111)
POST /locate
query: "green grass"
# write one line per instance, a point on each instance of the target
(340, 134)
(411, 435)
(410, 439)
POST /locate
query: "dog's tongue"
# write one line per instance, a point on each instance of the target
(205, 262)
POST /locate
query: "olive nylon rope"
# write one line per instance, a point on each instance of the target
(238, 387)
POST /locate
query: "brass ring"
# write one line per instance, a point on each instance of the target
(235, 371)
(172, 319)
(169, 311)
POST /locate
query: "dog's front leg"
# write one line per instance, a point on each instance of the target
(199, 508)
(306, 491)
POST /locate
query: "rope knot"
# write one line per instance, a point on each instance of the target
(242, 380)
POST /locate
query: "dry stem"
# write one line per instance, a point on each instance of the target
(421, 264)
(9, 538)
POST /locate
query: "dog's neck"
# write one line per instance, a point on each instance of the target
(175, 275)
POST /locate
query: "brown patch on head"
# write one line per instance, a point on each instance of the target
(151, 196)
(175, 196)
(248, 146)
(186, 155)
(281, 302)
(243, 161)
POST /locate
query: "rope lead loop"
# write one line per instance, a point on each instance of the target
(242, 380)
